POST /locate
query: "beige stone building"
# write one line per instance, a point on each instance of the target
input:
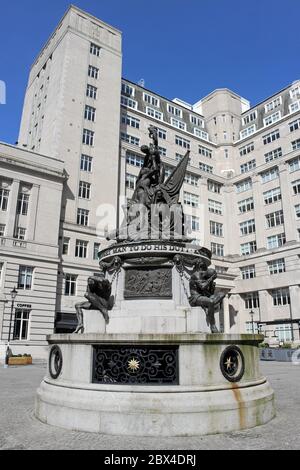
(241, 194)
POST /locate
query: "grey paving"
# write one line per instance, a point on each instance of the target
(20, 430)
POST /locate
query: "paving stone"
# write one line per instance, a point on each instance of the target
(19, 429)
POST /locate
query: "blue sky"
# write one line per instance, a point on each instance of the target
(182, 48)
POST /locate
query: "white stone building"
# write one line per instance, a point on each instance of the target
(242, 190)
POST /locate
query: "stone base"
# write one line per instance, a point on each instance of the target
(203, 402)
(149, 317)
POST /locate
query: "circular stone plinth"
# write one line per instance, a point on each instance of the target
(213, 386)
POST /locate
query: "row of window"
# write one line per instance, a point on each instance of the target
(276, 266)
(81, 248)
(129, 91)
(22, 202)
(280, 297)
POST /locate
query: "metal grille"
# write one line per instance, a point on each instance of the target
(138, 365)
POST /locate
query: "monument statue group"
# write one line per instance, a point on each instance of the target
(150, 356)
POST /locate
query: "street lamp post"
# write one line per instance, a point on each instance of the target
(252, 322)
(13, 295)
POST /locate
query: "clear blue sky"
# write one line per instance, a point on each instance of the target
(182, 48)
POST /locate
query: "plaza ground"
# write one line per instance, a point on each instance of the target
(20, 430)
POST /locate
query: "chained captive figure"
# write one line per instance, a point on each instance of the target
(98, 295)
(202, 292)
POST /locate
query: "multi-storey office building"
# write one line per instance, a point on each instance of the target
(241, 193)
(31, 188)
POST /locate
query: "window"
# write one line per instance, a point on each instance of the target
(268, 138)
(297, 210)
(247, 227)
(243, 186)
(130, 121)
(248, 166)
(130, 139)
(296, 186)
(179, 124)
(93, 72)
(273, 155)
(86, 163)
(246, 205)
(275, 218)
(25, 277)
(179, 157)
(249, 118)
(248, 131)
(294, 164)
(154, 114)
(275, 241)
(134, 159)
(190, 199)
(296, 144)
(70, 284)
(182, 142)
(273, 104)
(91, 92)
(130, 181)
(295, 92)
(284, 332)
(248, 248)
(4, 195)
(192, 222)
(273, 195)
(84, 190)
(175, 111)
(150, 99)
(248, 272)
(272, 118)
(66, 246)
(276, 266)
(251, 300)
(200, 133)
(90, 113)
(21, 325)
(191, 179)
(2, 230)
(246, 149)
(20, 233)
(281, 297)
(205, 151)
(163, 151)
(168, 171)
(215, 207)
(96, 250)
(95, 50)
(23, 204)
(217, 249)
(216, 228)
(162, 134)
(294, 106)
(88, 137)
(81, 249)
(128, 102)
(127, 89)
(205, 167)
(83, 217)
(196, 121)
(270, 175)
(221, 269)
(214, 187)
(295, 125)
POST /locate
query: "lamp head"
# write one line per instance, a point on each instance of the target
(13, 293)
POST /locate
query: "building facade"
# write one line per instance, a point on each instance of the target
(241, 195)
